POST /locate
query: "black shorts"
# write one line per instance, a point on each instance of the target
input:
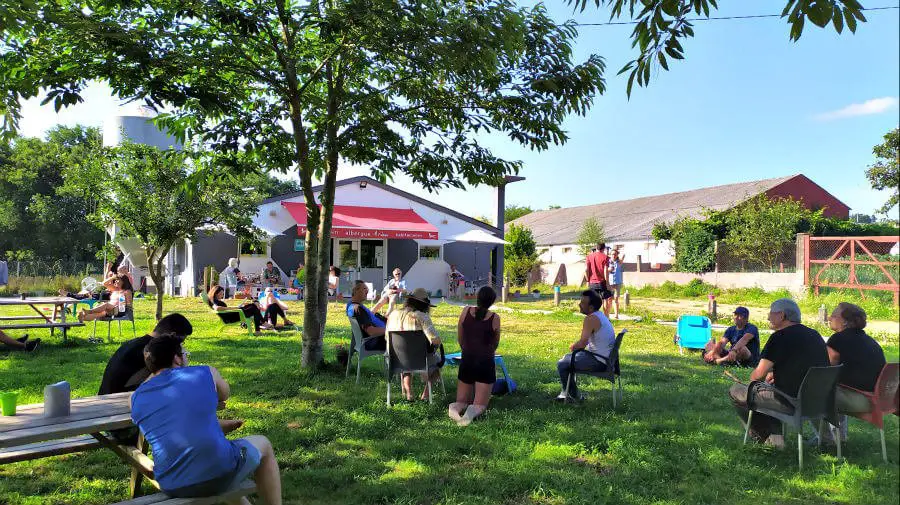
(472, 370)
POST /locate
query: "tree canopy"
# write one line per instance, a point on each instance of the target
(590, 234)
(884, 173)
(513, 212)
(399, 86)
(662, 25)
(138, 188)
(36, 218)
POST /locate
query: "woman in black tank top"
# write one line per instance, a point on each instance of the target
(478, 332)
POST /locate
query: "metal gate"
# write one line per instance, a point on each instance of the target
(863, 263)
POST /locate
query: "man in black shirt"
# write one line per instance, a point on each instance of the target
(790, 352)
(126, 370)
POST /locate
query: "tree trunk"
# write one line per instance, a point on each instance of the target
(155, 267)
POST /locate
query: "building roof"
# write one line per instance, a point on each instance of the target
(368, 180)
(634, 219)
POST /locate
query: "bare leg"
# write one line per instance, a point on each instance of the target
(97, 312)
(11, 341)
(381, 302)
(267, 475)
(464, 393)
(229, 425)
(406, 383)
(617, 306)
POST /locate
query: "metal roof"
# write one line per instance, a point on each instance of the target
(634, 219)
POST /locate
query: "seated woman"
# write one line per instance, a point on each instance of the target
(119, 300)
(250, 309)
(415, 316)
(860, 354)
(478, 332)
(272, 307)
(175, 409)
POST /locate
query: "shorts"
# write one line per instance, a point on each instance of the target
(615, 289)
(247, 464)
(472, 370)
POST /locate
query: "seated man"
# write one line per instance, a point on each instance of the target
(126, 369)
(790, 352)
(597, 336)
(393, 291)
(175, 409)
(371, 323)
(271, 275)
(739, 344)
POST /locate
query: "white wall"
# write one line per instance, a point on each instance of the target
(793, 282)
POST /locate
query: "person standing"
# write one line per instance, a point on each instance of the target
(615, 282)
(478, 333)
(790, 352)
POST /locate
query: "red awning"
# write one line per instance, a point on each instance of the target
(369, 222)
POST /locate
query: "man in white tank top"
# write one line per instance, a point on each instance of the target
(597, 336)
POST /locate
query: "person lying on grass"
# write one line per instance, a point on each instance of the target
(21, 343)
(597, 336)
(126, 369)
(739, 344)
(175, 409)
(478, 333)
(119, 300)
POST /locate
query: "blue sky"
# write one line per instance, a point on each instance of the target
(746, 104)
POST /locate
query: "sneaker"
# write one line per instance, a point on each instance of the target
(23, 338)
(561, 397)
(32, 345)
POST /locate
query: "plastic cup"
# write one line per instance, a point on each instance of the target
(8, 403)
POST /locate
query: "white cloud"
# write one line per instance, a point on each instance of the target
(867, 108)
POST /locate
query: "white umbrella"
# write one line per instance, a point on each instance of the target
(481, 236)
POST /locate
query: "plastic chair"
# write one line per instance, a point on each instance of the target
(884, 400)
(693, 332)
(128, 315)
(407, 352)
(242, 318)
(612, 372)
(358, 342)
(815, 400)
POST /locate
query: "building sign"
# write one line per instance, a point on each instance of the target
(300, 244)
(375, 233)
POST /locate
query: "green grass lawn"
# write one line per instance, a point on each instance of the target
(675, 440)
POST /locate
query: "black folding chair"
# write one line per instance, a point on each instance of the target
(815, 400)
(611, 373)
(408, 352)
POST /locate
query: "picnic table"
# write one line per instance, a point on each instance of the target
(52, 321)
(29, 435)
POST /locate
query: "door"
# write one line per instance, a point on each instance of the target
(372, 263)
(346, 257)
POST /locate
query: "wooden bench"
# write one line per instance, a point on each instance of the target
(246, 488)
(45, 449)
(39, 325)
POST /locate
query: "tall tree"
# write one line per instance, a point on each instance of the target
(513, 212)
(590, 234)
(138, 188)
(36, 218)
(395, 85)
(521, 254)
(662, 25)
(884, 173)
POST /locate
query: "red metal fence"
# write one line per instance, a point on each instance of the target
(863, 263)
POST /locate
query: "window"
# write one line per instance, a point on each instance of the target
(567, 250)
(430, 252)
(251, 247)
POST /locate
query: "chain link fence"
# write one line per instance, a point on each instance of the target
(784, 261)
(53, 268)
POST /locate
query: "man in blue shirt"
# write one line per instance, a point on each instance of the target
(372, 324)
(739, 344)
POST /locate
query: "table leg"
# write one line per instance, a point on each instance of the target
(134, 484)
(63, 320)
(49, 321)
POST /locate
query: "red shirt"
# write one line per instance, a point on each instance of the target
(597, 264)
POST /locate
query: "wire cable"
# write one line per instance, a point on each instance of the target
(723, 18)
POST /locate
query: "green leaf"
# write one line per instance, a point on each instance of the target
(850, 19)
(838, 20)
(662, 61)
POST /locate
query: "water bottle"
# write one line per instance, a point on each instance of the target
(121, 303)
